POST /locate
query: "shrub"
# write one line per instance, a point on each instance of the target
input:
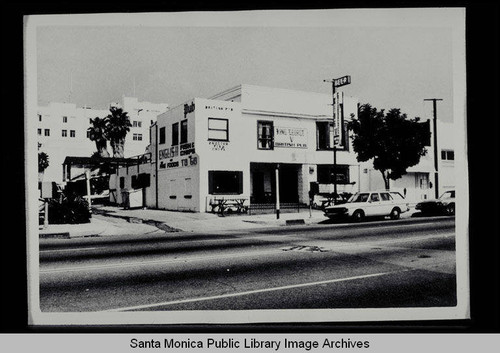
(72, 209)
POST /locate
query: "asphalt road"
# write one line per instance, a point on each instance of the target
(382, 264)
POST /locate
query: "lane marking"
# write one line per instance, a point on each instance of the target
(74, 249)
(265, 290)
(157, 262)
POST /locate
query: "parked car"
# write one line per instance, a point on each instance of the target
(369, 204)
(445, 204)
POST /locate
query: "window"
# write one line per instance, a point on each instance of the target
(137, 137)
(326, 173)
(47, 132)
(39, 117)
(122, 182)
(64, 133)
(65, 119)
(265, 135)
(374, 198)
(136, 123)
(39, 132)
(162, 135)
(324, 135)
(359, 198)
(225, 182)
(184, 131)
(385, 196)
(175, 134)
(218, 129)
(72, 133)
(447, 155)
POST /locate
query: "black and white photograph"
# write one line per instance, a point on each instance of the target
(247, 167)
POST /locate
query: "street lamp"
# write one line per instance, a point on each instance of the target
(336, 82)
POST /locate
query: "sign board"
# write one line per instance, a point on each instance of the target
(290, 137)
(338, 119)
(342, 81)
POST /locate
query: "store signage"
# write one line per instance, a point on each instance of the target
(338, 119)
(168, 152)
(188, 108)
(288, 137)
(186, 148)
(342, 81)
(189, 161)
(218, 145)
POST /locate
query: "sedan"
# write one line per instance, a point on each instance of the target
(445, 204)
(369, 204)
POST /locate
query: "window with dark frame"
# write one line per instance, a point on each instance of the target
(47, 132)
(64, 133)
(324, 135)
(265, 135)
(65, 119)
(72, 133)
(162, 135)
(184, 131)
(225, 182)
(218, 129)
(447, 155)
(326, 174)
(39, 131)
(175, 134)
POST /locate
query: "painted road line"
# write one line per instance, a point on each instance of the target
(257, 291)
(158, 262)
(75, 249)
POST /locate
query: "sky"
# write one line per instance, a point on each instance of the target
(391, 66)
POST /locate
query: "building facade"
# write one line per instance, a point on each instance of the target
(62, 131)
(251, 144)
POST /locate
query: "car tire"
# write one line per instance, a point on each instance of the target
(450, 209)
(395, 213)
(358, 216)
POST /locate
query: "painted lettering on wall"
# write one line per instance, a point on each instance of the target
(215, 107)
(289, 137)
(218, 145)
(187, 148)
(168, 152)
(189, 161)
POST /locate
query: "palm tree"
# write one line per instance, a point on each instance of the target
(118, 124)
(43, 163)
(97, 133)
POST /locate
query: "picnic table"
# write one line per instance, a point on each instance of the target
(221, 205)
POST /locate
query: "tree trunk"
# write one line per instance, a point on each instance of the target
(118, 148)
(102, 148)
(386, 179)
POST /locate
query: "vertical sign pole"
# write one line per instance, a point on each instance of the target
(87, 177)
(436, 156)
(277, 191)
(46, 218)
(334, 147)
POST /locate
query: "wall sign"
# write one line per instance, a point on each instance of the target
(189, 161)
(186, 148)
(218, 145)
(289, 137)
(188, 108)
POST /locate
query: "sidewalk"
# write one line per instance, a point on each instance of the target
(209, 222)
(113, 220)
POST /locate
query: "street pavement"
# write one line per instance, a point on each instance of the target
(113, 220)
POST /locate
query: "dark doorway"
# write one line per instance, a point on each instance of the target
(289, 184)
(258, 187)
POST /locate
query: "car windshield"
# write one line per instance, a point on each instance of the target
(362, 197)
(448, 195)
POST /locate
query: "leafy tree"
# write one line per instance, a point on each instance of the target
(97, 133)
(43, 161)
(117, 127)
(393, 141)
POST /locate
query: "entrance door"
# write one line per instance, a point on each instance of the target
(289, 184)
(258, 187)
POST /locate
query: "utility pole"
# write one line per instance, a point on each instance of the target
(436, 156)
(336, 82)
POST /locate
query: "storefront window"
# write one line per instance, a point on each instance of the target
(225, 182)
(326, 174)
(218, 129)
(265, 139)
(162, 135)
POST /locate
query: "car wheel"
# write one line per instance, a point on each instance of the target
(395, 213)
(358, 216)
(450, 209)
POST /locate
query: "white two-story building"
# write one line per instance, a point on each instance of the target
(239, 143)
